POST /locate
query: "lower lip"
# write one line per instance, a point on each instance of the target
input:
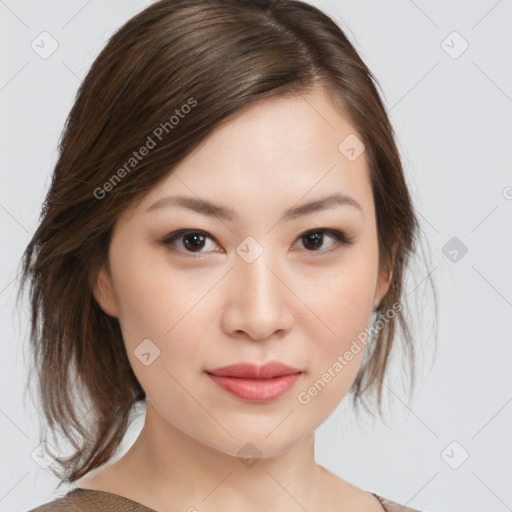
(256, 390)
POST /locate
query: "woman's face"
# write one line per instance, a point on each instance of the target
(258, 272)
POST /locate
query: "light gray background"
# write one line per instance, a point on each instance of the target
(453, 121)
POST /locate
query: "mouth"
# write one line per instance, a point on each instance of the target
(253, 383)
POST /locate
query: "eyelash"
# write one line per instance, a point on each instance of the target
(340, 238)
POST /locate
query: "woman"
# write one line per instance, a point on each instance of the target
(227, 217)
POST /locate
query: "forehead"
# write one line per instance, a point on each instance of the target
(277, 151)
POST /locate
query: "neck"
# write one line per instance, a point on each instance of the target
(184, 472)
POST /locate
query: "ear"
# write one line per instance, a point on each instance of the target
(104, 292)
(384, 280)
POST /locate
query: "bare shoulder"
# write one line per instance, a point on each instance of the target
(349, 496)
(112, 484)
(101, 489)
(364, 500)
(99, 480)
(109, 478)
(372, 501)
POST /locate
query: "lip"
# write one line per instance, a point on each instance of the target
(253, 371)
(254, 383)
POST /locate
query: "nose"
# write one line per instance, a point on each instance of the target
(258, 303)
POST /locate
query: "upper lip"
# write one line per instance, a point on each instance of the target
(252, 371)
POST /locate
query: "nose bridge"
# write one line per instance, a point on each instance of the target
(259, 297)
(260, 285)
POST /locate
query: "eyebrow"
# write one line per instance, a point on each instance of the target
(208, 208)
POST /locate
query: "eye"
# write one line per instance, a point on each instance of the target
(314, 240)
(191, 241)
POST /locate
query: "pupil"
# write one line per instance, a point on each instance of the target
(315, 237)
(198, 238)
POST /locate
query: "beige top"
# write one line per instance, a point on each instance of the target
(87, 500)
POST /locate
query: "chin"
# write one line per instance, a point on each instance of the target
(248, 448)
(257, 437)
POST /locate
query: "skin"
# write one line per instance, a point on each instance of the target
(299, 303)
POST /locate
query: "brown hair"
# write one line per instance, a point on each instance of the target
(217, 57)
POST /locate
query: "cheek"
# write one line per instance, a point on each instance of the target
(156, 313)
(162, 304)
(344, 304)
(345, 300)
(152, 296)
